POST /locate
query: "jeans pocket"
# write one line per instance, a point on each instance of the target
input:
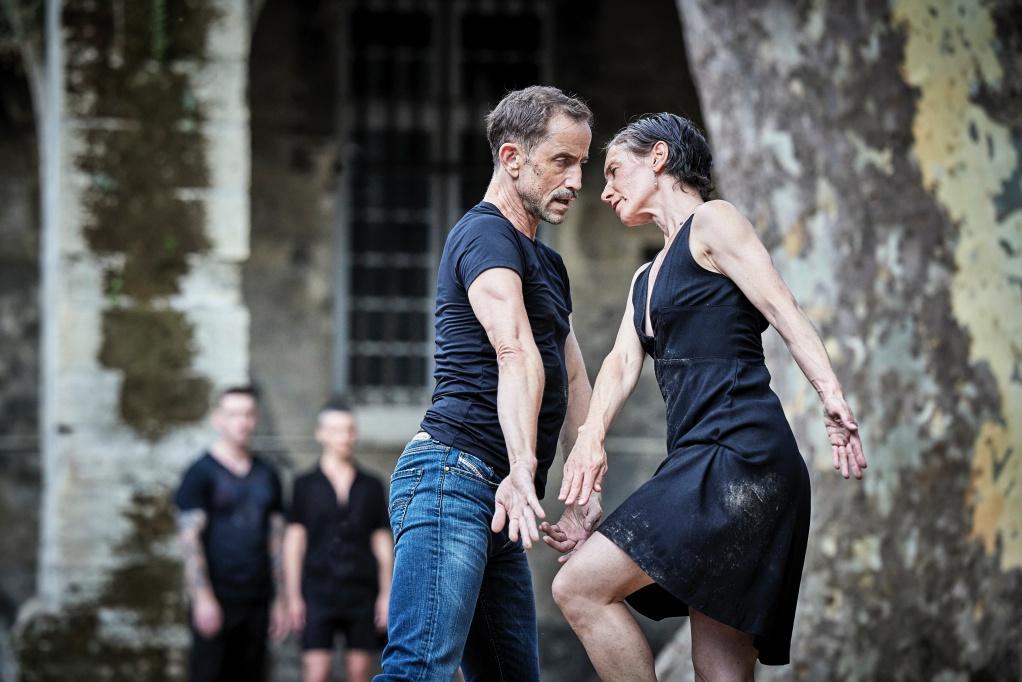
(403, 484)
(470, 466)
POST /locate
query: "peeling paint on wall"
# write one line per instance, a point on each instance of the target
(909, 573)
(966, 158)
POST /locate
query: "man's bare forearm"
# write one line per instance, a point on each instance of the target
(276, 553)
(190, 526)
(294, 557)
(519, 392)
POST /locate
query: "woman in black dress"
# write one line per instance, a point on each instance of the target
(719, 532)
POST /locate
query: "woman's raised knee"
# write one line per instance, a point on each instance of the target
(567, 590)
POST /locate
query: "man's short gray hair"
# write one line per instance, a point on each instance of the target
(522, 116)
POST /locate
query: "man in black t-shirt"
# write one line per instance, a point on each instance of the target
(231, 531)
(338, 553)
(464, 496)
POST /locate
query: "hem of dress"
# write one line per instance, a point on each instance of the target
(756, 635)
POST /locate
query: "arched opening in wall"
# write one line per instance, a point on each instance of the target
(287, 279)
(20, 479)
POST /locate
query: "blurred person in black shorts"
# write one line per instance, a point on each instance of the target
(231, 528)
(338, 553)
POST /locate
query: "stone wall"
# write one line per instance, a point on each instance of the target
(877, 151)
(152, 224)
(19, 346)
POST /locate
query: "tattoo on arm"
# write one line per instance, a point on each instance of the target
(277, 526)
(190, 526)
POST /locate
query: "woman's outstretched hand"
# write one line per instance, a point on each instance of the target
(584, 469)
(574, 527)
(843, 431)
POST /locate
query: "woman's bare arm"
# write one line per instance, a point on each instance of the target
(586, 466)
(723, 240)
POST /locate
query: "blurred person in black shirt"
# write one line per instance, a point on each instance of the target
(230, 518)
(338, 553)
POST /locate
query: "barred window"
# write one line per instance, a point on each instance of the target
(417, 79)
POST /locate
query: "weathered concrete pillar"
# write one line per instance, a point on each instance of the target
(143, 284)
(877, 149)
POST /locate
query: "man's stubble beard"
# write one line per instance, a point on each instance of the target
(533, 205)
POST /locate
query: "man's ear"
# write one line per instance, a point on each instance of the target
(510, 158)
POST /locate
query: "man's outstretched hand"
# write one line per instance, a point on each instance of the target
(517, 502)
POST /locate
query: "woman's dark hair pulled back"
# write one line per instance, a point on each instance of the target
(688, 155)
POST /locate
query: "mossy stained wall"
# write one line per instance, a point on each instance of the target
(153, 226)
(143, 150)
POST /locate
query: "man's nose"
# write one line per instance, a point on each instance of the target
(574, 179)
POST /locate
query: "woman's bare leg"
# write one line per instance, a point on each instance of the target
(590, 590)
(721, 653)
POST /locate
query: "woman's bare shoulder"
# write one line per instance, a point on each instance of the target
(720, 220)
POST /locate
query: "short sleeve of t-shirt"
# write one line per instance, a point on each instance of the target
(191, 494)
(567, 285)
(487, 242)
(296, 511)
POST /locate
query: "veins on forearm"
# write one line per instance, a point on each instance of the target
(190, 527)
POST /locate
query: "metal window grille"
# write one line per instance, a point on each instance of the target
(416, 80)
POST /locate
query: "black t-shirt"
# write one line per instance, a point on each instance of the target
(339, 566)
(464, 411)
(236, 537)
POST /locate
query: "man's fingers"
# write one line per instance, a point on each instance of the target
(598, 483)
(499, 518)
(524, 532)
(537, 508)
(512, 530)
(530, 528)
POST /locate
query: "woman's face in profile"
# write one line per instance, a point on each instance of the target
(630, 184)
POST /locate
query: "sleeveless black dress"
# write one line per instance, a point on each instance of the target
(722, 525)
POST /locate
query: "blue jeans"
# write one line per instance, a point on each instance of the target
(461, 593)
